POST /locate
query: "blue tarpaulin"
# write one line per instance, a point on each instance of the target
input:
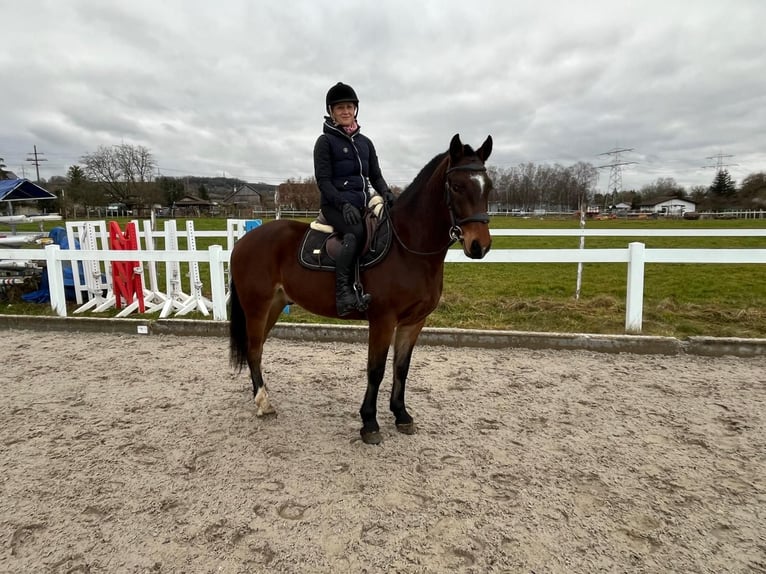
(43, 294)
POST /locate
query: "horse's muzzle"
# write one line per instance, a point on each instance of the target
(475, 250)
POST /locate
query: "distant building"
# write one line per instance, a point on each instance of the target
(253, 196)
(191, 205)
(672, 206)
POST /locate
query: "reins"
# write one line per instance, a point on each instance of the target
(422, 253)
(455, 232)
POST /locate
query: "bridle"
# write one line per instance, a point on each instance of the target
(455, 232)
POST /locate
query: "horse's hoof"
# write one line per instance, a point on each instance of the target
(371, 437)
(407, 428)
(263, 403)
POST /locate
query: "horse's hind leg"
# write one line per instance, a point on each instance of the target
(257, 337)
(404, 343)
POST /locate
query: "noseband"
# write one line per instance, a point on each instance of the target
(456, 232)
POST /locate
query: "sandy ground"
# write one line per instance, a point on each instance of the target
(143, 454)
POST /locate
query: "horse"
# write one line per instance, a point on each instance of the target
(445, 203)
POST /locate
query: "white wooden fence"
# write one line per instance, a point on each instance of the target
(636, 255)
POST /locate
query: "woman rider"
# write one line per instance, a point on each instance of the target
(345, 167)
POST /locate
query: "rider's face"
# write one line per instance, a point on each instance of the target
(343, 113)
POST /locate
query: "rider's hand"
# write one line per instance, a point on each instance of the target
(351, 214)
(388, 197)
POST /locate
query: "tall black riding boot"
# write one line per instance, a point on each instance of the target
(345, 297)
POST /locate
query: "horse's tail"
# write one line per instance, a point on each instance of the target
(237, 331)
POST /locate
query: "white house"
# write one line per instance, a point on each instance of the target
(671, 207)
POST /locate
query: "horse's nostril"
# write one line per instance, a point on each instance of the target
(476, 251)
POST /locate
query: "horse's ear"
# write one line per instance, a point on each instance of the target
(485, 149)
(455, 148)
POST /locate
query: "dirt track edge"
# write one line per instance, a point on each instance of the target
(640, 344)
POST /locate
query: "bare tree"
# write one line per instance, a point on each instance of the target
(122, 171)
(752, 192)
(662, 188)
(584, 178)
(299, 194)
(530, 186)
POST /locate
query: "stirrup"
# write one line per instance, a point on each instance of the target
(362, 299)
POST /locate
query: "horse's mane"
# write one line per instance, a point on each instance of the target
(424, 175)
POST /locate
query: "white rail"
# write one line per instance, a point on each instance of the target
(636, 255)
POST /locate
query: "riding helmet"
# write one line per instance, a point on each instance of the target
(340, 93)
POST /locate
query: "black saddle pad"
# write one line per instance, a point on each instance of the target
(318, 249)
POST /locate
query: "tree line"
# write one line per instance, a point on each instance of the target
(530, 186)
(127, 174)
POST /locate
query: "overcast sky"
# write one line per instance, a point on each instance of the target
(237, 87)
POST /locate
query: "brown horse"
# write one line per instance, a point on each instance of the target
(446, 202)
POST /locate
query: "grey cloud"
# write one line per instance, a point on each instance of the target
(239, 86)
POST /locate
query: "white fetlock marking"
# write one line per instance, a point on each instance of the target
(263, 403)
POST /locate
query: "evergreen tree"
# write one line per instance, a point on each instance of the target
(723, 185)
(721, 193)
(172, 189)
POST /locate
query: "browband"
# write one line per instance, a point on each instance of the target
(468, 167)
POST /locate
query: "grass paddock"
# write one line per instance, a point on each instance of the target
(679, 299)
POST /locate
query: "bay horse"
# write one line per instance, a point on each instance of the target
(445, 203)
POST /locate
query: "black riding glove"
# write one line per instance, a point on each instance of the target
(351, 214)
(388, 197)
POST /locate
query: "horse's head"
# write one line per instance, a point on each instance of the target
(467, 188)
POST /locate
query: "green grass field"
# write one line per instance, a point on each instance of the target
(679, 300)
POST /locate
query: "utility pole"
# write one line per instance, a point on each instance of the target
(35, 160)
(614, 187)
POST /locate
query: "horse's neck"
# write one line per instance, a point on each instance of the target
(425, 217)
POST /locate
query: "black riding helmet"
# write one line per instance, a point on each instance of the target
(340, 93)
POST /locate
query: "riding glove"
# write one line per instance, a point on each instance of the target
(351, 214)
(388, 197)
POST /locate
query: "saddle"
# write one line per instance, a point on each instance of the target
(321, 243)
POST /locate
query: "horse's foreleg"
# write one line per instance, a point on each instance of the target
(380, 339)
(257, 338)
(404, 343)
